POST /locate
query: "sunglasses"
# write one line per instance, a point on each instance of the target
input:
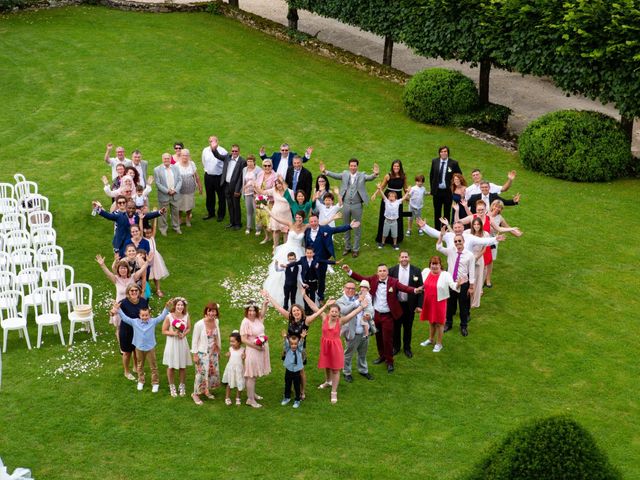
(121, 203)
(177, 148)
(457, 241)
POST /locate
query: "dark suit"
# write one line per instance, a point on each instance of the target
(277, 156)
(442, 196)
(492, 196)
(233, 188)
(122, 234)
(385, 320)
(408, 308)
(305, 181)
(323, 250)
(309, 276)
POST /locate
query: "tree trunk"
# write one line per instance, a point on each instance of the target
(483, 83)
(234, 3)
(388, 50)
(292, 16)
(627, 126)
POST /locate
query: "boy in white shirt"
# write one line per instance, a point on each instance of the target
(391, 214)
(326, 209)
(416, 202)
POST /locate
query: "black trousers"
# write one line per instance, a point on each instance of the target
(441, 201)
(292, 378)
(322, 278)
(213, 189)
(289, 295)
(402, 328)
(311, 293)
(461, 299)
(233, 202)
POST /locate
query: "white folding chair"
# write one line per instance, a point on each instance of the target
(6, 190)
(5, 262)
(28, 281)
(33, 202)
(43, 236)
(18, 177)
(47, 312)
(24, 188)
(9, 317)
(38, 219)
(21, 258)
(13, 221)
(60, 277)
(81, 310)
(8, 203)
(7, 280)
(49, 256)
(16, 239)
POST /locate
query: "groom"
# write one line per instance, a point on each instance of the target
(320, 238)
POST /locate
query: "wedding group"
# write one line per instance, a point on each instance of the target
(284, 204)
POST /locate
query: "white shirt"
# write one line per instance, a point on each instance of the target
(392, 209)
(380, 303)
(115, 162)
(171, 182)
(403, 277)
(211, 164)
(467, 265)
(325, 213)
(313, 234)
(230, 168)
(442, 171)
(475, 190)
(283, 166)
(416, 198)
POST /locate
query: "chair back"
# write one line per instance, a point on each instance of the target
(48, 256)
(24, 188)
(38, 219)
(9, 304)
(16, 239)
(81, 296)
(45, 303)
(22, 258)
(12, 221)
(43, 236)
(7, 280)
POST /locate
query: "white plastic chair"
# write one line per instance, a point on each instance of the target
(5, 262)
(28, 281)
(9, 317)
(33, 202)
(47, 312)
(49, 256)
(43, 236)
(22, 258)
(13, 221)
(7, 280)
(39, 219)
(18, 177)
(81, 310)
(24, 188)
(8, 203)
(6, 190)
(60, 277)
(16, 239)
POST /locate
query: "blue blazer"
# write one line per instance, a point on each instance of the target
(323, 245)
(277, 156)
(310, 272)
(122, 234)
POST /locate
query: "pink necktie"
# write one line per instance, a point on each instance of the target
(455, 267)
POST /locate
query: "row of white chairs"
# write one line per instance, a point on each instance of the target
(47, 312)
(37, 238)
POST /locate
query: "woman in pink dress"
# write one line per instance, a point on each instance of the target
(256, 363)
(264, 181)
(331, 350)
(280, 208)
(437, 283)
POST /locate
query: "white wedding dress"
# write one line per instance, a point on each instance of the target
(274, 284)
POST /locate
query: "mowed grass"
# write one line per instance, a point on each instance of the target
(557, 334)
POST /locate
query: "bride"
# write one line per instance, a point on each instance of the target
(274, 284)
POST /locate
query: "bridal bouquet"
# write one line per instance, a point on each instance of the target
(262, 201)
(179, 324)
(261, 340)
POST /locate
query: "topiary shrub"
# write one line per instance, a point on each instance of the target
(491, 119)
(550, 448)
(583, 146)
(435, 95)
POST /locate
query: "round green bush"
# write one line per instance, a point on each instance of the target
(583, 146)
(435, 95)
(550, 448)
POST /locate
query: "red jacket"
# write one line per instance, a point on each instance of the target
(393, 286)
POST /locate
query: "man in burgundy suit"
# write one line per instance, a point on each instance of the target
(384, 291)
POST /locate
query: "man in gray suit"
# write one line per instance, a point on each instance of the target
(140, 165)
(353, 192)
(353, 332)
(231, 181)
(168, 182)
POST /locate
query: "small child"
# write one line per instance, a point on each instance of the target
(291, 278)
(416, 202)
(141, 198)
(157, 268)
(233, 374)
(391, 215)
(366, 316)
(293, 366)
(144, 339)
(327, 211)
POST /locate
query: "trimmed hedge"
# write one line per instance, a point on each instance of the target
(551, 448)
(491, 119)
(583, 146)
(435, 95)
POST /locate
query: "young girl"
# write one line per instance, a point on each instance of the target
(176, 326)
(233, 374)
(205, 347)
(158, 267)
(121, 277)
(141, 199)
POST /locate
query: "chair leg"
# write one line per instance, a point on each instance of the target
(71, 330)
(93, 330)
(4, 340)
(60, 332)
(39, 335)
(26, 335)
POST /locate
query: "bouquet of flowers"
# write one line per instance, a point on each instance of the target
(261, 340)
(262, 201)
(179, 324)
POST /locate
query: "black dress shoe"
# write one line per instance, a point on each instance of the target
(348, 378)
(446, 328)
(209, 217)
(367, 375)
(220, 219)
(408, 353)
(390, 369)
(463, 331)
(236, 227)
(228, 226)
(378, 361)
(346, 252)
(395, 352)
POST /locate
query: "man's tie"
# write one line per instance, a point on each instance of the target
(456, 266)
(442, 172)
(296, 173)
(295, 357)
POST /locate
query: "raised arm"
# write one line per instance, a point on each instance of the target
(107, 154)
(318, 311)
(511, 176)
(308, 301)
(349, 316)
(107, 272)
(275, 304)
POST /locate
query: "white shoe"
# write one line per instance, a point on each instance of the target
(285, 401)
(140, 386)
(408, 233)
(154, 388)
(437, 348)
(426, 343)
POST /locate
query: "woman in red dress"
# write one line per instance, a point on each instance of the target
(331, 351)
(437, 283)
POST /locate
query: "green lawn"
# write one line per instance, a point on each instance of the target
(557, 334)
